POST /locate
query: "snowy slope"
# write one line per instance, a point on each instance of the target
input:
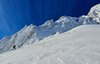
(30, 34)
(80, 45)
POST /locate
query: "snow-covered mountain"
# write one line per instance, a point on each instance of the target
(80, 45)
(95, 13)
(69, 40)
(31, 34)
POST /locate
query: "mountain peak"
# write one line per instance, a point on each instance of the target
(95, 12)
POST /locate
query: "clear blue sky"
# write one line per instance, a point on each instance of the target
(15, 14)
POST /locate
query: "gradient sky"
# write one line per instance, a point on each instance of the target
(15, 14)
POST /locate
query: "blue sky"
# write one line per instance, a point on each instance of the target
(15, 14)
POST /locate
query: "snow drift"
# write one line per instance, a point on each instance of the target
(30, 34)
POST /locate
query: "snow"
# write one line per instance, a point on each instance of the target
(69, 40)
(77, 46)
(30, 34)
(95, 12)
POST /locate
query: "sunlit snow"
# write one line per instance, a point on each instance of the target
(69, 40)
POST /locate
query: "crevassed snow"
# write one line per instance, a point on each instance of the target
(30, 34)
(80, 45)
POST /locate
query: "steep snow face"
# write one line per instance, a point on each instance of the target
(30, 34)
(80, 45)
(95, 12)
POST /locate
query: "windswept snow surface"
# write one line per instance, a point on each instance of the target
(80, 45)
